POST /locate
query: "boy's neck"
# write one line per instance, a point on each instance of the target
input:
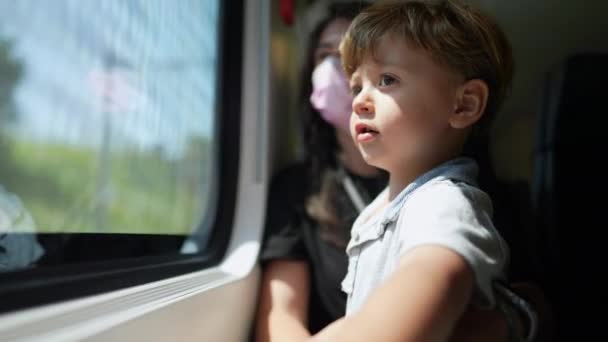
(398, 182)
(403, 176)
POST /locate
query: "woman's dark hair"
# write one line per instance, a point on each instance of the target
(319, 136)
(320, 144)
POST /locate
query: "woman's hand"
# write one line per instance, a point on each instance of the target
(477, 325)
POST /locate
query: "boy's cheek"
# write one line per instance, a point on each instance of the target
(351, 127)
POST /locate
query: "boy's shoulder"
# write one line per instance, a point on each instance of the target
(442, 195)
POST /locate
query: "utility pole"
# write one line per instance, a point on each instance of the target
(102, 190)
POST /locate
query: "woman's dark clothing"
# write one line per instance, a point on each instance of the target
(291, 234)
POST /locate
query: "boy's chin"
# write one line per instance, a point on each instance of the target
(371, 159)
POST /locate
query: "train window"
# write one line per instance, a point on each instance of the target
(110, 139)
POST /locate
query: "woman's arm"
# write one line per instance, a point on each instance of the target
(421, 301)
(283, 307)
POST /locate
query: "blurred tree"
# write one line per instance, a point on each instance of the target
(11, 71)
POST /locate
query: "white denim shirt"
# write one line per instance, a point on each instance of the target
(441, 207)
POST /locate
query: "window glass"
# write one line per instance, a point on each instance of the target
(107, 122)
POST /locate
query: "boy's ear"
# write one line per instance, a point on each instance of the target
(471, 103)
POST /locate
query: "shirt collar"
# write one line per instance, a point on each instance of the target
(461, 169)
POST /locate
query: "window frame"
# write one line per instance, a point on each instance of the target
(44, 285)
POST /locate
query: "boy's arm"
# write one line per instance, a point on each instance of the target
(283, 307)
(421, 301)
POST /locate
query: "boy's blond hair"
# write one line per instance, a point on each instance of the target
(454, 34)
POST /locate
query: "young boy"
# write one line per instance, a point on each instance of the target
(422, 74)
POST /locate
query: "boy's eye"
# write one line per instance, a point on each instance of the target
(355, 89)
(386, 80)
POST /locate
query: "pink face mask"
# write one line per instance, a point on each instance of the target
(331, 94)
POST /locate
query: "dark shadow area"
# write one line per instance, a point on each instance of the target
(569, 194)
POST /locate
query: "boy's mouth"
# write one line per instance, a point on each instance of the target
(365, 133)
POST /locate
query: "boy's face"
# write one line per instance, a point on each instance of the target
(402, 105)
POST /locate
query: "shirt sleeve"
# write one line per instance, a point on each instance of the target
(283, 235)
(457, 216)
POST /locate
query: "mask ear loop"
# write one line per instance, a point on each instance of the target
(351, 191)
(522, 306)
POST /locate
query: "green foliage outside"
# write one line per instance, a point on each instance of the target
(62, 187)
(147, 193)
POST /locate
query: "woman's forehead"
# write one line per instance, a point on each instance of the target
(333, 33)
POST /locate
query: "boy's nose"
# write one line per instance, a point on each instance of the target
(362, 103)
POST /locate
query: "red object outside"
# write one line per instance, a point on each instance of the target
(286, 9)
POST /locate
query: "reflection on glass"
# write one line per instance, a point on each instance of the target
(18, 246)
(107, 115)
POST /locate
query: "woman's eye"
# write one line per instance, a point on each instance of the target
(321, 54)
(387, 80)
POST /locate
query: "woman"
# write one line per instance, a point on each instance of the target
(313, 204)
